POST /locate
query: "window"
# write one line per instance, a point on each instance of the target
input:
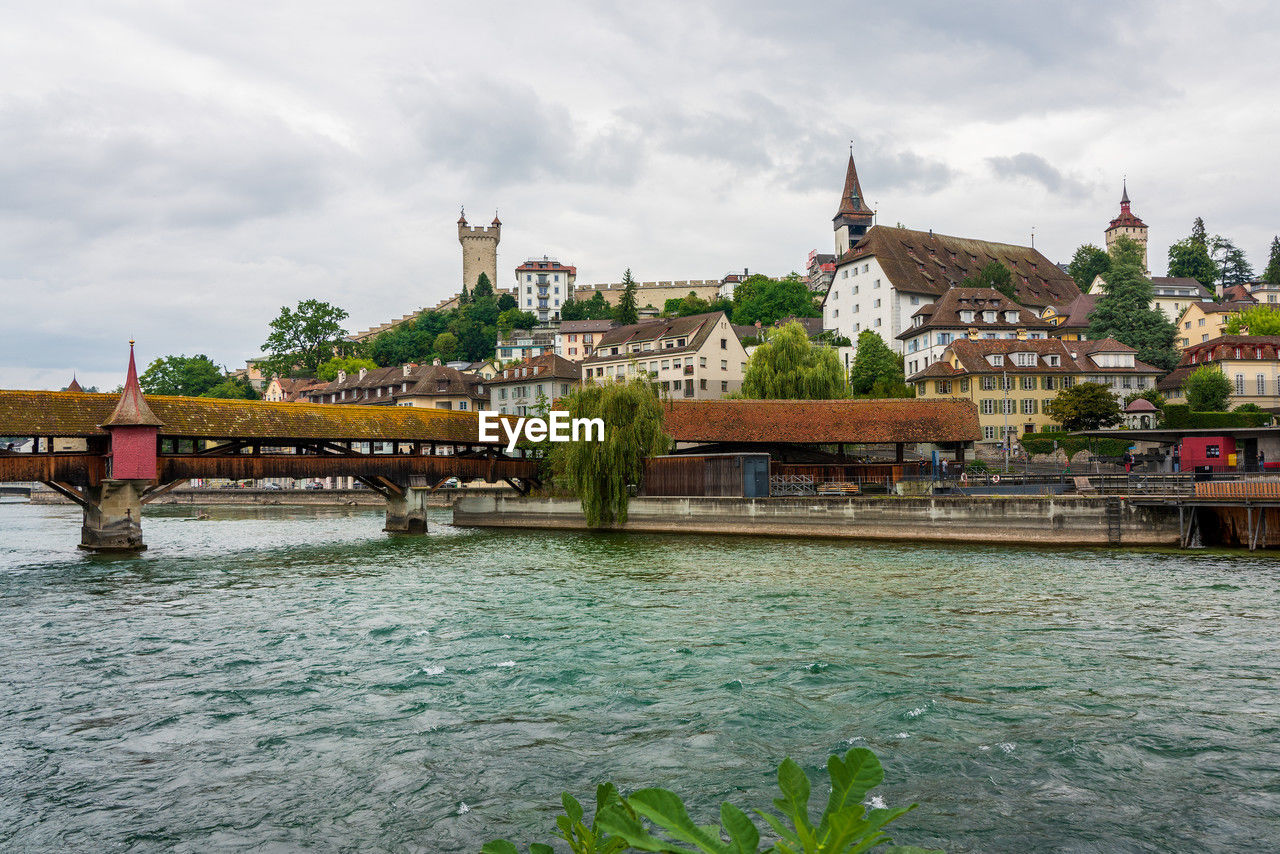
(702, 361)
(966, 317)
(702, 384)
(666, 363)
(877, 323)
(724, 385)
(1028, 406)
(944, 337)
(877, 304)
(1201, 323)
(988, 317)
(964, 385)
(1239, 383)
(1007, 406)
(1262, 384)
(989, 432)
(462, 404)
(915, 300)
(866, 267)
(877, 283)
(988, 406)
(996, 359)
(943, 386)
(987, 383)
(724, 364)
(1024, 360)
(1028, 383)
(724, 344)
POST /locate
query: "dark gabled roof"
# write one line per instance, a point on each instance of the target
(921, 262)
(574, 326)
(1077, 311)
(546, 366)
(853, 205)
(62, 413)
(1231, 307)
(945, 312)
(695, 328)
(1181, 282)
(1074, 357)
(822, 422)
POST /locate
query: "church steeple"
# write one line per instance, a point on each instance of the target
(853, 217)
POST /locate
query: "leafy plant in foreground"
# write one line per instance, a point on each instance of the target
(846, 825)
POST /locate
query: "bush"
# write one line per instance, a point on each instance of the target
(1179, 416)
(1042, 443)
(657, 819)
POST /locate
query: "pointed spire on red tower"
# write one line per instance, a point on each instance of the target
(1124, 196)
(75, 386)
(132, 410)
(496, 221)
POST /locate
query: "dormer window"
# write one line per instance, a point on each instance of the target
(966, 317)
(989, 317)
(996, 360)
(1024, 360)
(1053, 361)
(917, 320)
(1011, 317)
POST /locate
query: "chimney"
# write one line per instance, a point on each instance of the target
(408, 366)
(363, 371)
(342, 376)
(436, 362)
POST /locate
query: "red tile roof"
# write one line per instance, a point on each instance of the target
(1074, 357)
(853, 205)
(822, 422)
(945, 312)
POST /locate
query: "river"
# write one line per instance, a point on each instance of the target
(292, 679)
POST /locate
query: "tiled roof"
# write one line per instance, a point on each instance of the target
(822, 422)
(131, 409)
(1078, 310)
(546, 366)
(695, 329)
(61, 413)
(853, 205)
(1229, 307)
(1238, 293)
(921, 262)
(945, 312)
(1074, 357)
(1263, 347)
(574, 326)
(1180, 282)
(423, 380)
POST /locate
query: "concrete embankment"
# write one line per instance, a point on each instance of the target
(1041, 520)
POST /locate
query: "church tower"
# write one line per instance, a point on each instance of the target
(1128, 225)
(479, 251)
(853, 218)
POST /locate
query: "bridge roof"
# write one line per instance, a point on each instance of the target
(823, 422)
(58, 413)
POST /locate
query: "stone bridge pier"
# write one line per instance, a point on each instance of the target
(406, 510)
(113, 516)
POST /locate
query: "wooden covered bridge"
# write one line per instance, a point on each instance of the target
(113, 453)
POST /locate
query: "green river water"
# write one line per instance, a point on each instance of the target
(295, 680)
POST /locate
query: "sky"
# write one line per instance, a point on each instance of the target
(176, 173)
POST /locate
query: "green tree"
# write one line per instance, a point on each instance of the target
(1271, 275)
(1233, 267)
(1254, 320)
(1124, 311)
(446, 345)
(787, 365)
(328, 371)
(304, 336)
(768, 300)
(190, 376)
(514, 318)
(1198, 232)
(877, 371)
(1085, 406)
(483, 289)
(233, 389)
(1189, 258)
(1126, 250)
(687, 306)
(1087, 264)
(571, 309)
(596, 308)
(602, 474)
(464, 296)
(506, 302)
(994, 275)
(1207, 389)
(626, 312)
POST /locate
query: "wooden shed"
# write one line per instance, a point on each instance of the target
(732, 475)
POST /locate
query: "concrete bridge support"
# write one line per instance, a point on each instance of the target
(407, 511)
(113, 516)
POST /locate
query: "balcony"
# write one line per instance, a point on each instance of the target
(688, 370)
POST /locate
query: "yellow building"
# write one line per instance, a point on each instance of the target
(1011, 381)
(1204, 321)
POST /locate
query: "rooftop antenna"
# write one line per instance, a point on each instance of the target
(1033, 237)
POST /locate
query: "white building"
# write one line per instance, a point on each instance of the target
(542, 286)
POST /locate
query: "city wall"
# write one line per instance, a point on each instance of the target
(1035, 520)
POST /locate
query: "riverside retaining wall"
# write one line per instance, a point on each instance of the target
(1042, 520)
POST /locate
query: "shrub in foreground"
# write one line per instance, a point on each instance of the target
(657, 820)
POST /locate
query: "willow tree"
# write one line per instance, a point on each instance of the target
(788, 365)
(601, 473)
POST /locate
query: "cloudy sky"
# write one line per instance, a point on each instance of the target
(176, 172)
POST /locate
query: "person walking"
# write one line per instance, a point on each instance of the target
(1128, 462)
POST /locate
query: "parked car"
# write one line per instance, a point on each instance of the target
(315, 484)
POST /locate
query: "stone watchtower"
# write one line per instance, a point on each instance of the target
(479, 251)
(1128, 225)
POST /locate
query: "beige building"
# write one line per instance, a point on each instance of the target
(289, 390)
(576, 339)
(697, 357)
(479, 251)
(1127, 224)
(1250, 362)
(1170, 295)
(1011, 381)
(1204, 321)
(655, 294)
(527, 387)
(974, 313)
